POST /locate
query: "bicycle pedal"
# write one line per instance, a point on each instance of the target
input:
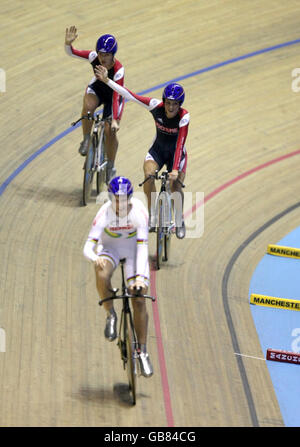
(172, 228)
(137, 370)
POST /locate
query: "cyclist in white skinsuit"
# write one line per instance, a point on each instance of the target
(120, 230)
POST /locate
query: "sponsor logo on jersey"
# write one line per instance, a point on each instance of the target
(166, 129)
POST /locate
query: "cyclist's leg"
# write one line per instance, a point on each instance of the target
(111, 140)
(152, 163)
(103, 280)
(140, 318)
(138, 304)
(90, 103)
(104, 286)
(176, 187)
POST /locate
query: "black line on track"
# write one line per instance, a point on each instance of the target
(230, 324)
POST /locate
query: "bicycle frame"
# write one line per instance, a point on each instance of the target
(98, 131)
(163, 205)
(95, 160)
(166, 197)
(127, 339)
(163, 216)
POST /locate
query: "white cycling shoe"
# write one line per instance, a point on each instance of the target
(180, 231)
(145, 364)
(110, 331)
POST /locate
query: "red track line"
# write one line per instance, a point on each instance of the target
(161, 356)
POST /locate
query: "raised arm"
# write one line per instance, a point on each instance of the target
(71, 35)
(148, 103)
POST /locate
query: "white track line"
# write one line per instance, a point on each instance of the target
(250, 356)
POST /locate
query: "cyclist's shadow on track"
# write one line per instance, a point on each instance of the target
(165, 266)
(119, 393)
(69, 199)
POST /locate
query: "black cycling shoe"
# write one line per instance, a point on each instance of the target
(84, 146)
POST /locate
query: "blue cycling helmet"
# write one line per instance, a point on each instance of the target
(107, 44)
(174, 91)
(120, 186)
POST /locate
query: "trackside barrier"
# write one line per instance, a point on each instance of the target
(272, 301)
(277, 355)
(287, 252)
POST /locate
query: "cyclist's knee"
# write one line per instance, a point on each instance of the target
(104, 274)
(149, 168)
(90, 103)
(108, 132)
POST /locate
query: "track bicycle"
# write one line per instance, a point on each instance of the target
(127, 339)
(164, 216)
(96, 159)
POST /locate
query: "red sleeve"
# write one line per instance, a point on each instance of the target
(80, 53)
(182, 134)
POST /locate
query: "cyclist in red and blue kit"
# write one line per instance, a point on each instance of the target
(97, 93)
(168, 148)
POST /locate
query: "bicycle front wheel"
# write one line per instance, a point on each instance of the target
(131, 360)
(89, 172)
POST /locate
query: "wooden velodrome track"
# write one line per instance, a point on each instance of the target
(57, 369)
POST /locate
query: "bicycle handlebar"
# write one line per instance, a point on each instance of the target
(118, 297)
(164, 175)
(89, 117)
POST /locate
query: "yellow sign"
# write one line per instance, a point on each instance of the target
(272, 301)
(288, 252)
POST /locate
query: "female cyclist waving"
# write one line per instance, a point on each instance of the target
(168, 148)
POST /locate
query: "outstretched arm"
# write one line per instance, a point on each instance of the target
(148, 103)
(182, 135)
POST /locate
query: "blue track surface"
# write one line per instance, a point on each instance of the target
(280, 328)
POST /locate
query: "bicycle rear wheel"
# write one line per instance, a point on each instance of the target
(159, 235)
(102, 174)
(89, 171)
(131, 360)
